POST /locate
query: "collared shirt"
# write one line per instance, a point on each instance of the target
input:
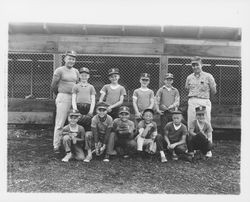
(175, 135)
(168, 96)
(200, 86)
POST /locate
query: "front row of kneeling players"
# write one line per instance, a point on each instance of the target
(121, 137)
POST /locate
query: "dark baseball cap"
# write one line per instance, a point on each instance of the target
(84, 70)
(113, 71)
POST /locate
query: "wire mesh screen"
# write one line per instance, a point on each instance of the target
(30, 74)
(226, 72)
(130, 68)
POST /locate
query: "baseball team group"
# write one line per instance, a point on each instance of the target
(86, 127)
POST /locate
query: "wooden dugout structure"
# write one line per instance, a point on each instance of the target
(36, 49)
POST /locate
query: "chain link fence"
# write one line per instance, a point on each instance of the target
(31, 74)
(130, 68)
(226, 72)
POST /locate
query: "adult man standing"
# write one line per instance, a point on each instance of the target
(199, 84)
(62, 83)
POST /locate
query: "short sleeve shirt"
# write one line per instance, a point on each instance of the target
(80, 132)
(68, 78)
(173, 134)
(102, 126)
(200, 86)
(167, 97)
(207, 128)
(143, 98)
(143, 124)
(113, 95)
(83, 93)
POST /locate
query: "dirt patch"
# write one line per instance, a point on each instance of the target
(32, 167)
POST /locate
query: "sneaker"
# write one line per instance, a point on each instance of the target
(56, 151)
(88, 159)
(67, 157)
(126, 156)
(164, 159)
(209, 154)
(106, 158)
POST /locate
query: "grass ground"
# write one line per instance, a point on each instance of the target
(32, 167)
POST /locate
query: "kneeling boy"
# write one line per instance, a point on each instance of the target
(174, 138)
(101, 127)
(73, 137)
(123, 132)
(200, 134)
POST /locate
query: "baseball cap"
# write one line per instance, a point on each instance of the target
(124, 109)
(148, 110)
(200, 110)
(113, 71)
(71, 53)
(169, 76)
(101, 105)
(176, 112)
(84, 70)
(145, 76)
(74, 113)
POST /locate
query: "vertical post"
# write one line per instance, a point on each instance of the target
(31, 77)
(163, 69)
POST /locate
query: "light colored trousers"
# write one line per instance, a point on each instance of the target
(151, 145)
(63, 104)
(196, 102)
(68, 146)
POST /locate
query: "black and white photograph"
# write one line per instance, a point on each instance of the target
(124, 100)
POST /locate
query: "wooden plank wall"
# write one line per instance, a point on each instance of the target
(123, 45)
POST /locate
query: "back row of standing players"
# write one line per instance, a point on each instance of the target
(111, 131)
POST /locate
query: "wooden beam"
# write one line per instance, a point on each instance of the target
(202, 50)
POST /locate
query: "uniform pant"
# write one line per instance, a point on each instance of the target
(194, 102)
(148, 143)
(76, 149)
(63, 104)
(198, 142)
(162, 145)
(128, 145)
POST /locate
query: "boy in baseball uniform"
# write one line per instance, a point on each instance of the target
(143, 97)
(113, 93)
(101, 127)
(167, 100)
(200, 134)
(73, 136)
(147, 132)
(174, 137)
(123, 133)
(83, 99)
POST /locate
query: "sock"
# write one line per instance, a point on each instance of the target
(162, 154)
